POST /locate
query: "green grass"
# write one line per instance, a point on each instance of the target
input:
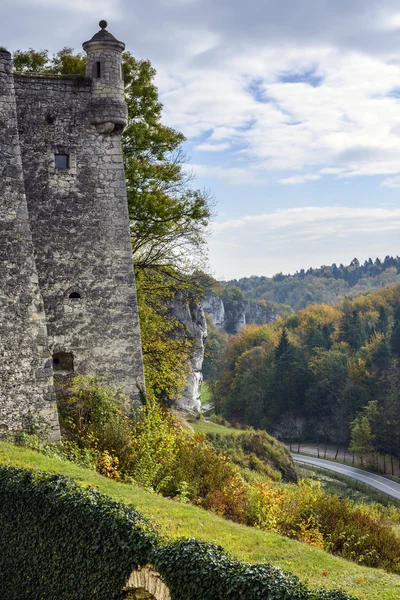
(313, 566)
(205, 394)
(203, 426)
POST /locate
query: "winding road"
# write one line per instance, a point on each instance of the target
(384, 485)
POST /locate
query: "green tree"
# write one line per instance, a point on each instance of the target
(351, 329)
(169, 217)
(214, 348)
(362, 438)
(287, 391)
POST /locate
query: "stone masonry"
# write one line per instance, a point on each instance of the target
(68, 266)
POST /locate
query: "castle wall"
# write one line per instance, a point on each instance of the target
(25, 361)
(80, 228)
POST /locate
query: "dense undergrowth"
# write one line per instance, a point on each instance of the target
(154, 451)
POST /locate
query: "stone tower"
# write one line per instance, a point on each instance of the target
(67, 135)
(26, 382)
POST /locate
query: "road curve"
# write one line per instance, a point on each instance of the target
(384, 485)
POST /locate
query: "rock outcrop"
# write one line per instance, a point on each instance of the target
(214, 307)
(235, 315)
(230, 318)
(191, 315)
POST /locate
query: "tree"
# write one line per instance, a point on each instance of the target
(169, 218)
(361, 436)
(287, 390)
(351, 329)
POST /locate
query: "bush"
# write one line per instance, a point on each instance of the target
(156, 452)
(258, 451)
(94, 416)
(306, 513)
(59, 541)
(211, 574)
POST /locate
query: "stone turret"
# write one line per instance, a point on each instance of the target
(104, 67)
(26, 375)
(70, 139)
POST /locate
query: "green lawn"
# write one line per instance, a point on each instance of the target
(173, 519)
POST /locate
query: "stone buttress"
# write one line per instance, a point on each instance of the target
(26, 376)
(70, 133)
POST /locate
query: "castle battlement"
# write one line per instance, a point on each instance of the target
(67, 292)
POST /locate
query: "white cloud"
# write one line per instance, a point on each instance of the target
(345, 123)
(290, 239)
(391, 182)
(299, 179)
(326, 218)
(231, 175)
(207, 147)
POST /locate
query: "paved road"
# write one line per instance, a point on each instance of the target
(388, 487)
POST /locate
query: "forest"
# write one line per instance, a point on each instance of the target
(326, 373)
(326, 284)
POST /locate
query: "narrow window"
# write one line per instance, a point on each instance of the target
(61, 161)
(63, 362)
(122, 72)
(98, 69)
(75, 295)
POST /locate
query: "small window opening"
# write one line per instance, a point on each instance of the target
(75, 296)
(63, 361)
(61, 161)
(122, 71)
(98, 69)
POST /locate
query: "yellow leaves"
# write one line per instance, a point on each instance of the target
(358, 371)
(107, 465)
(165, 343)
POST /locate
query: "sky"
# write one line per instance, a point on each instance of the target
(291, 110)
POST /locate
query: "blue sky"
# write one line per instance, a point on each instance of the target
(291, 110)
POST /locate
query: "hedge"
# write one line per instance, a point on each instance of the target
(59, 541)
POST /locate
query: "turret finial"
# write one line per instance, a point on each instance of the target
(103, 24)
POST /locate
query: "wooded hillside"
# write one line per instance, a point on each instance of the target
(327, 372)
(327, 284)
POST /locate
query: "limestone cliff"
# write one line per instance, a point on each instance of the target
(231, 317)
(191, 315)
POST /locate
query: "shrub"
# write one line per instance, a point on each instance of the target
(258, 451)
(158, 454)
(306, 513)
(59, 541)
(211, 574)
(94, 416)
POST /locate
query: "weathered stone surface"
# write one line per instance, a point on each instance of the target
(26, 377)
(191, 315)
(235, 316)
(214, 307)
(71, 260)
(146, 584)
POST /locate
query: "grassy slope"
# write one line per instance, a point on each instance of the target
(202, 426)
(176, 520)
